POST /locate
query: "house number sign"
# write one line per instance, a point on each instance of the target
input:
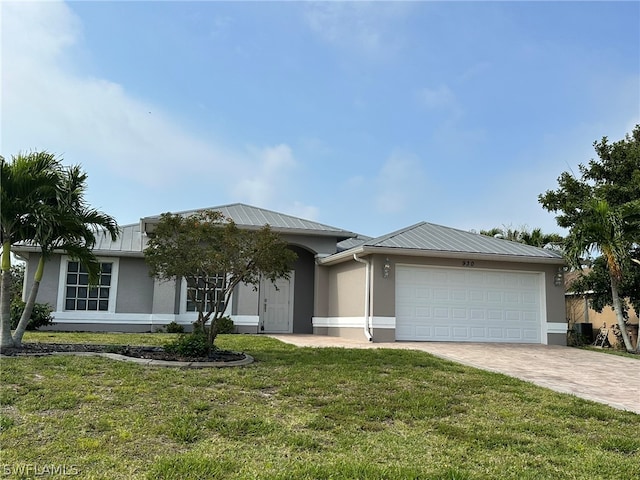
(468, 263)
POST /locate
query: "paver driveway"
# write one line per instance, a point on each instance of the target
(586, 374)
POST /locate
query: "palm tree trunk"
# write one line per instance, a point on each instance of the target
(5, 298)
(617, 307)
(28, 308)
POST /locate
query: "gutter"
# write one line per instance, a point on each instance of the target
(367, 296)
(367, 250)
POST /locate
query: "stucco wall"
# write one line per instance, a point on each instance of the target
(164, 297)
(48, 291)
(319, 245)
(346, 282)
(245, 300)
(321, 300)
(579, 311)
(303, 301)
(135, 287)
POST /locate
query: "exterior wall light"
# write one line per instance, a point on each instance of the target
(386, 268)
(558, 278)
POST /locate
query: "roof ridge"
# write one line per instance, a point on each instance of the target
(388, 236)
(264, 212)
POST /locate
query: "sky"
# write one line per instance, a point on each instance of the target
(367, 116)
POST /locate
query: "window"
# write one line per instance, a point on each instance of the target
(80, 296)
(211, 288)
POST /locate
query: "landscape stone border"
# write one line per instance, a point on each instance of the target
(248, 359)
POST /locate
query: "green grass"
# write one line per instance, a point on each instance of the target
(613, 351)
(301, 413)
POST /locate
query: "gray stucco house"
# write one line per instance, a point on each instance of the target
(424, 283)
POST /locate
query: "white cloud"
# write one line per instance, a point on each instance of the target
(266, 176)
(364, 27)
(441, 97)
(48, 104)
(51, 107)
(399, 183)
(299, 209)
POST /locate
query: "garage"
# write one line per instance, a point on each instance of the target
(468, 305)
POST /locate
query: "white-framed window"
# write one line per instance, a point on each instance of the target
(75, 294)
(211, 288)
(207, 289)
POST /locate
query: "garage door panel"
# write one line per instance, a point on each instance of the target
(442, 332)
(467, 305)
(460, 333)
(440, 294)
(423, 331)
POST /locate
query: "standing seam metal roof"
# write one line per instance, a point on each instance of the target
(248, 216)
(429, 236)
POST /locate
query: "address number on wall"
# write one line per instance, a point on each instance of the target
(468, 263)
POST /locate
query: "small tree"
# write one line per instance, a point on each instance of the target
(213, 256)
(602, 210)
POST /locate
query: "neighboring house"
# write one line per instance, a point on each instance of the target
(425, 283)
(579, 311)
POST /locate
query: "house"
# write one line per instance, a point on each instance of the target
(580, 315)
(425, 283)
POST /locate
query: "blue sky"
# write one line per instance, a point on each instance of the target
(365, 116)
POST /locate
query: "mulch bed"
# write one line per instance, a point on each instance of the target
(152, 353)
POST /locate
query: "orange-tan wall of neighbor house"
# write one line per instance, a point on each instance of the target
(579, 312)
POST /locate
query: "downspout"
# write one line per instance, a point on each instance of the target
(367, 296)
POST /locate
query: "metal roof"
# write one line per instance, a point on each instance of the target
(129, 240)
(429, 238)
(352, 242)
(253, 217)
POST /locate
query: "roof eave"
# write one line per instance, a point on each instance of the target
(369, 250)
(96, 252)
(147, 225)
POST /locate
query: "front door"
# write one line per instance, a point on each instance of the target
(276, 305)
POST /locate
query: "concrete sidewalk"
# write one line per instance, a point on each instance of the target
(591, 375)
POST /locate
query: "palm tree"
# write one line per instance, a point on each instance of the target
(24, 182)
(534, 237)
(610, 231)
(71, 226)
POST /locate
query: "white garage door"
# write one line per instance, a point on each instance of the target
(467, 305)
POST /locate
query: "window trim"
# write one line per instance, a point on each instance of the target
(184, 313)
(62, 287)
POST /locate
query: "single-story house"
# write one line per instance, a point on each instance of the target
(425, 282)
(580, 315)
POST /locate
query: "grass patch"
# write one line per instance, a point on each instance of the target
(301, 413)
(613, 351)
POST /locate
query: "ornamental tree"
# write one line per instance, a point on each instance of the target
(213, 255)
(601, 209)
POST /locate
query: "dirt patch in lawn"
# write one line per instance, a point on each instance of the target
(146, 352)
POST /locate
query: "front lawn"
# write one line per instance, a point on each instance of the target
(299, 413)
(613, 351)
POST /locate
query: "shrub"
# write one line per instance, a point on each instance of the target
(40, 316)
(225, 325)
(189, 345)
(174, 327)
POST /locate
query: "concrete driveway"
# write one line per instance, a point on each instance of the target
(590, 375)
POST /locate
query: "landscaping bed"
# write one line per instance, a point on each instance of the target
(147, 352)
